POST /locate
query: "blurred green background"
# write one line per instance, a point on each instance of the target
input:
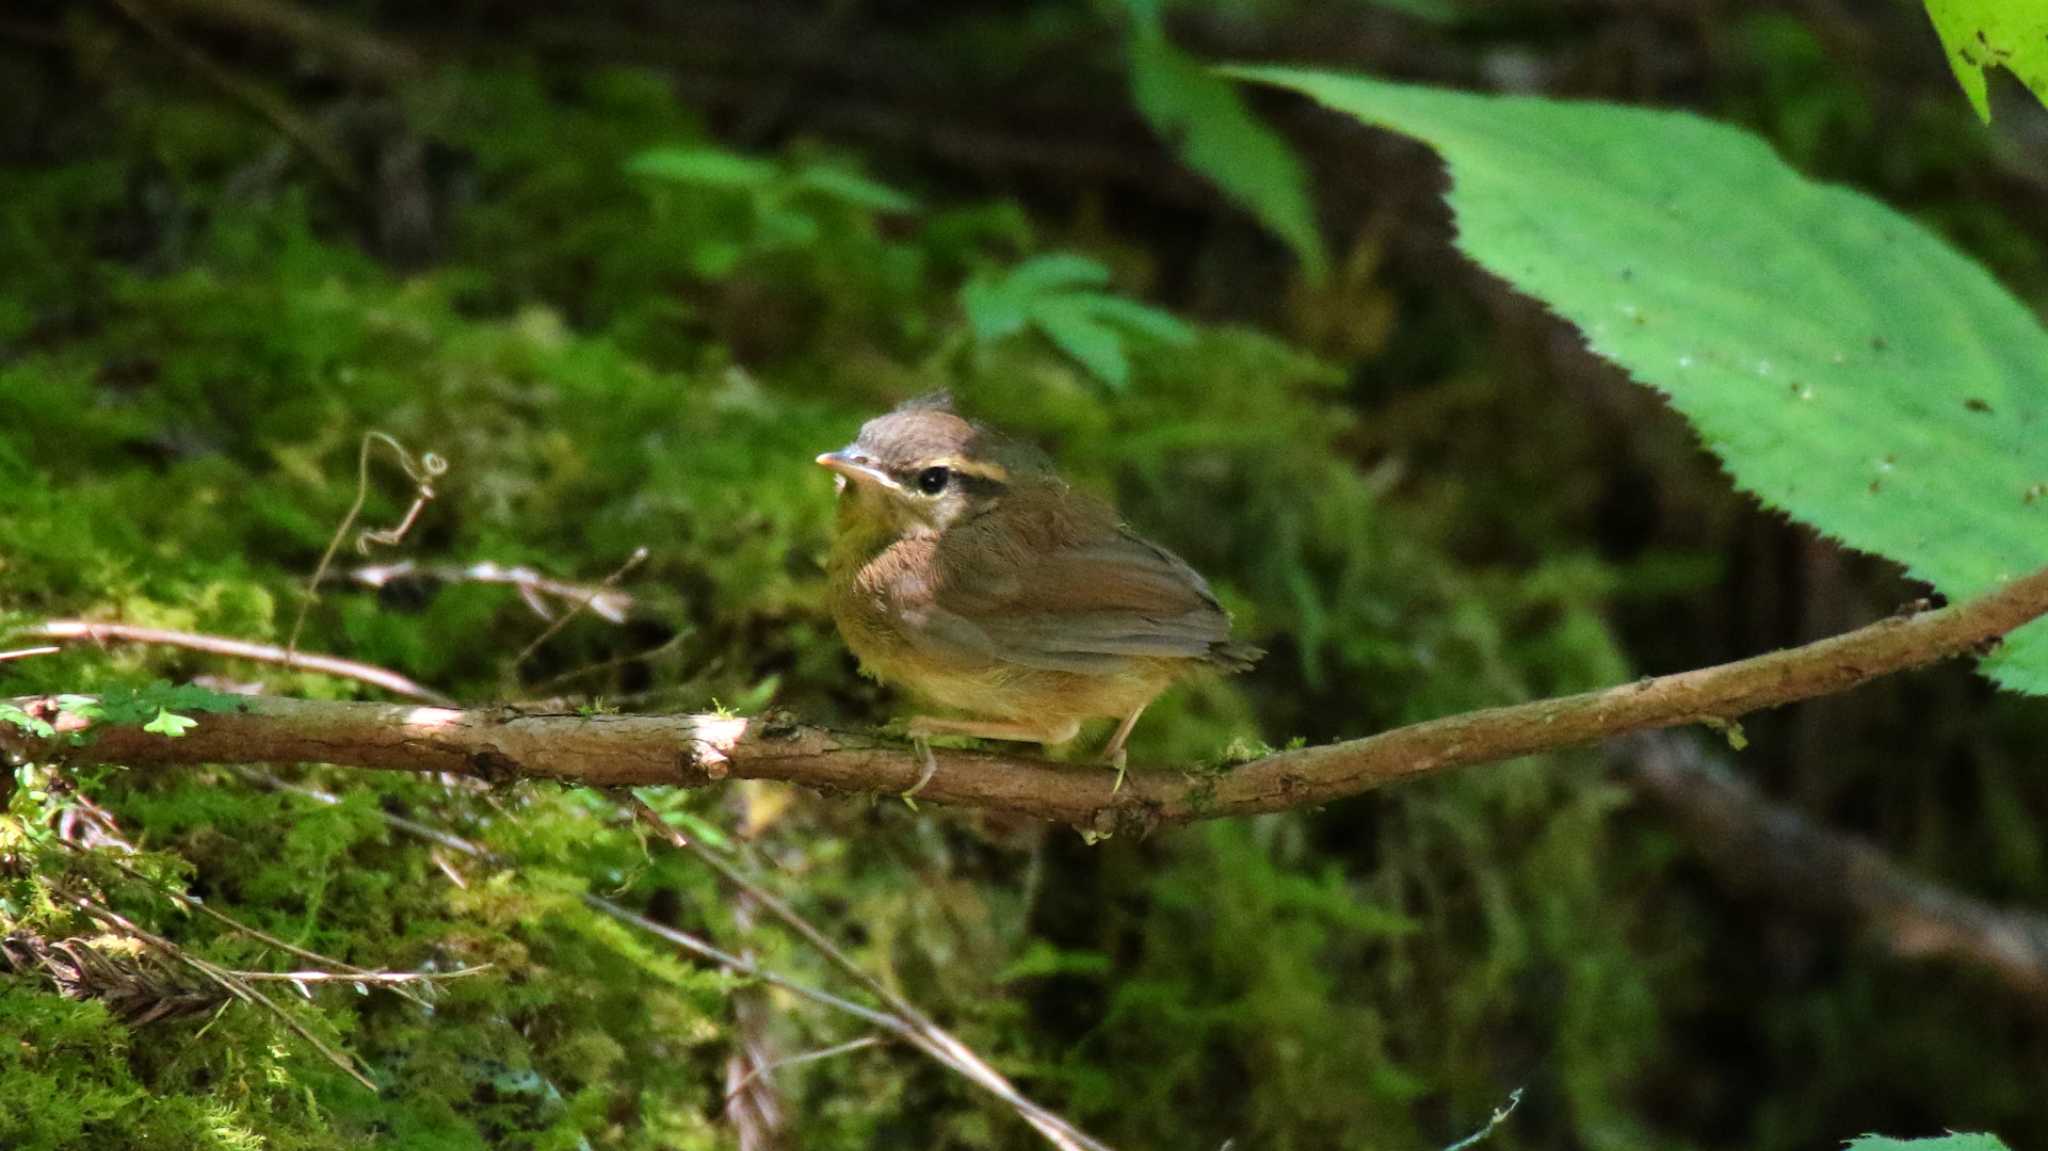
(629, 266)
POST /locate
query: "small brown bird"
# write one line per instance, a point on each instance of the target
(966, 571)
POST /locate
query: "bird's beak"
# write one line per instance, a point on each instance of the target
(851, 467)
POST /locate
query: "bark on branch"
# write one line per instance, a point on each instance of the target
(695, 750)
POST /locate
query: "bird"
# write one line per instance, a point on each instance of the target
(965, 570)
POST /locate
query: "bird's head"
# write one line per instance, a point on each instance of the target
(922, 469)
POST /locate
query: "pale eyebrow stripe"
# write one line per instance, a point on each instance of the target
(975, 468)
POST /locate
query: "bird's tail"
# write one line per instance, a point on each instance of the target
(1235, 655)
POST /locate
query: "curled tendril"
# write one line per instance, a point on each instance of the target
(422, 470)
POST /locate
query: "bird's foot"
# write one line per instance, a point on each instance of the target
(1113, 752)
(929, 768)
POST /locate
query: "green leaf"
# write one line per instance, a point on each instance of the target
(1944, 1143)
(1000, 307)
(1057, 272)
(1980, 35)
(853, 188)
(169, 724)
(787, 227)
(1205, 118)
(992, 312)
(1846, 364)
(1058, 295)
(81, 706)
(1069, 324)
(704, 168)
(127, 705)
(1150, 322)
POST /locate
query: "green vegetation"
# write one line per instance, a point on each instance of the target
(1844, 363)
(628, 317)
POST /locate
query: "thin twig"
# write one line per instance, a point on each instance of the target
(1499, 1116)
(638, 557)
(26, 652)
(104, 633)
(411, 827)
(391, 979)
(950, 1056)
(422, 471)
(608, 604)
(695, 750)
(343, 970)
(576, 673)
(928, 1034)
(739, 966)
(793, 1060)
(230, 982)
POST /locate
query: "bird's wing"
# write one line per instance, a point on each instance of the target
(1086, 607)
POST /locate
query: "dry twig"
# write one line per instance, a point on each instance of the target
(638, 557)
(337, 970)
(139, 988)
(914, 1024)
(760, 1069)
(535, 590)
(229, 981)
(71, 630)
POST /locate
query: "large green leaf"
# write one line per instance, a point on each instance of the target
(1844, 363)
(1980, 35)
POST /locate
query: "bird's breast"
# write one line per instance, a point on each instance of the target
(875, 599)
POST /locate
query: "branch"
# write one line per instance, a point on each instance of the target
(1755, 845)
(503, 743)
(67, 630)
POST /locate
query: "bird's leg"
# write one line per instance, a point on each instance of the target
(924, 774)
(1113, 752)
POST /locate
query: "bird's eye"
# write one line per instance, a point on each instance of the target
(932, 481)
